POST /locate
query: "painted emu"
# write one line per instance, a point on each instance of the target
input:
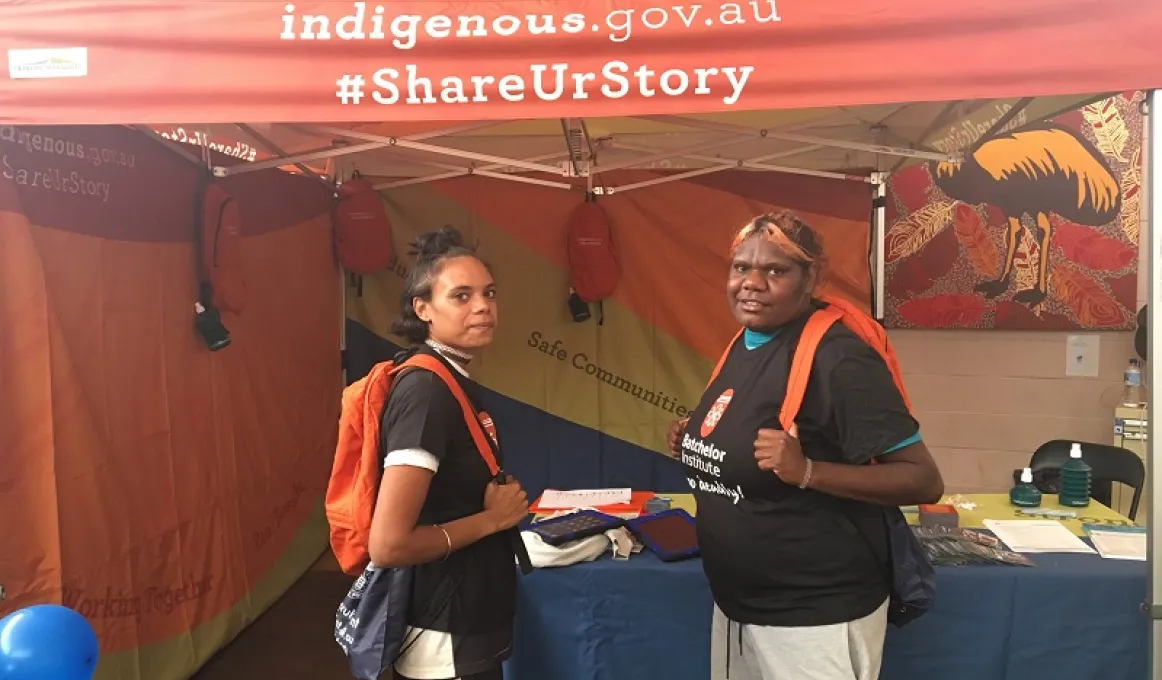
(1039, 170)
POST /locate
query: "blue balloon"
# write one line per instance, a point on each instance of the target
(47, 642)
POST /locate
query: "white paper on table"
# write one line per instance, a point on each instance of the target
(1120, 545)
(1036, 536)
(553, 499)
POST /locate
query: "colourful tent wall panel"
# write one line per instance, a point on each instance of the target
(623, 380)
(167, 493)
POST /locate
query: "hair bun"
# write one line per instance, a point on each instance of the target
(437, 243)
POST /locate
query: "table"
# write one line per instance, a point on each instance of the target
(997, 506)
(1072, 617)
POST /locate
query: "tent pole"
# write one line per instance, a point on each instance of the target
(469, 172)
(935, 124)
(338, 175)
(496, 170)
(376, 142)
(1003, 121)
(316, 155)
(860, 146)
(424, 179)
(276, 150)
(1154, 378)
(679, 121)
(756, 163)
(607, 190)
(457, 171)
(774, 133)
(656, 155)
(527, 180)
(411, 143)
(879, 182)
(750, 163)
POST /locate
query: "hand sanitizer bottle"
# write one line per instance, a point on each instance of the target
(1025, 494)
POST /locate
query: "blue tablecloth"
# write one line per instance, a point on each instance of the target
(1072, 617)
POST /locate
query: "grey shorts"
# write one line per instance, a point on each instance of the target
(841, 651)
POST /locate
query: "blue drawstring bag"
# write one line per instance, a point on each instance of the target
(371, 622)
(912, 578)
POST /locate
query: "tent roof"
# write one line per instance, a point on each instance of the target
(216, 61)
(843, 142)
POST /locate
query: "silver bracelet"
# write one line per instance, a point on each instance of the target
(806, 475)
(447, 539)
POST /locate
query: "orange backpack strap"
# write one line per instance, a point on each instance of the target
(837, 309)
(874, 335)
(802, 361)
(869, 331)
(430, 363)
(480, 437)
(722, 359)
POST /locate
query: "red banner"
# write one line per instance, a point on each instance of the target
(155, 61)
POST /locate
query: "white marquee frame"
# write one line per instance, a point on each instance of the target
(1152, 178)
(502, 168)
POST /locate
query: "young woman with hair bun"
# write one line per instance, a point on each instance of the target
(439, 507)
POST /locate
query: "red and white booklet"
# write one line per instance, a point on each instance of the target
(624, 503)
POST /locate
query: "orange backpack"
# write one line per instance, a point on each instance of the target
(354, 485)
(219, 249)
(594, 271)
(836, 310)
(362, 228)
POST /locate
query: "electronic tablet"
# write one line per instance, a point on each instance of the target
(670, 534)
(574, 526)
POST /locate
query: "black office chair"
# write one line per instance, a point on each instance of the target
(1109, 464)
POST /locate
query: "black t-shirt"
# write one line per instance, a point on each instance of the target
(472, 595)
(775, 554)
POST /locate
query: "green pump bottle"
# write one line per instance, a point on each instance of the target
(1076, 480)
(1025, 494)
